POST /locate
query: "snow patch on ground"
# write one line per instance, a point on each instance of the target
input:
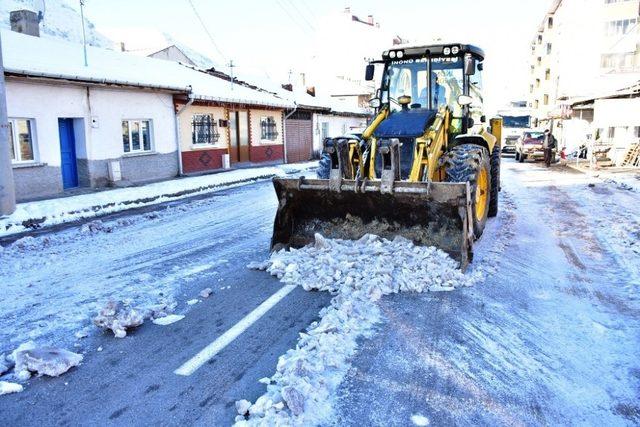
(7, 387)
(168, 320)
(43, 213)
(419, 420)
(624, 181)
(359, 273)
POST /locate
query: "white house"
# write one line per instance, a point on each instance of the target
(71, 125)
(110, 122)
(342, 119)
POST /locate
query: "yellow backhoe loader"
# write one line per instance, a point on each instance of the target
(426, 168)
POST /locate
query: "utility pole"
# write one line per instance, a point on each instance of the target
(84, 36)
(7, 189)
(231, 71)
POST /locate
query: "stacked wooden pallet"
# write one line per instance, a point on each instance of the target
(632, 158)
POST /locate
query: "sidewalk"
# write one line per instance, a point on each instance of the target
(45, 213)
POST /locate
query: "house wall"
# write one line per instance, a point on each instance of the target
(337, 126)
(96, 143)
(622, 115)
(265, 150)
(201, 158)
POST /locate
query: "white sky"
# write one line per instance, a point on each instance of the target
(278, 35)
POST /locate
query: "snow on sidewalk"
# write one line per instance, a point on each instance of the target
(61, 210)
(359, 273)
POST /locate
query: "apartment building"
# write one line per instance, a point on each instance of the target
(582, 48)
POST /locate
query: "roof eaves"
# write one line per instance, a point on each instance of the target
(226, 100)
(79, 79)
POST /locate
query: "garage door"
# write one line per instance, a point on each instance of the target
(299, 140)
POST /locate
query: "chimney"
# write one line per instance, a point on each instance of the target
(25, 22)
(122, 47)
(288, 87)
(370, 19)
(311, 91)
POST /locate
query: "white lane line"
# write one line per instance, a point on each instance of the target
(225, 339)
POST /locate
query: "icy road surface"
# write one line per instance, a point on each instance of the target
(551, 337)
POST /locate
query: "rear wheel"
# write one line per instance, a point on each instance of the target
(495, 182)
(517, 156)
(470, 163)
(521, 158)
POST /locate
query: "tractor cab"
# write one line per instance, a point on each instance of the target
(418, 81)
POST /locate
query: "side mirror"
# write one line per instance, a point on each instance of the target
(469, 65)
(374, 103)
(369, 72)
(483, 118)
(480, 66)
(464, 100)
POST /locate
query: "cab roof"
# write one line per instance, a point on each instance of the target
(440, 49)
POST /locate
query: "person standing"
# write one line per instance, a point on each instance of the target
(548, 144)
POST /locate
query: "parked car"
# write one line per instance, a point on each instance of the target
(529, 146)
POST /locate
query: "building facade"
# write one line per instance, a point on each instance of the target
(214, 135)
(81, 140)
(583, 48)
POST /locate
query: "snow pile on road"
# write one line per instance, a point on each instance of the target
(118, 318)
(37, 214)
(29, 358)
(359, 273)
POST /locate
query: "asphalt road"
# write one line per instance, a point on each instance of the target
(550, 338)
(131, 381)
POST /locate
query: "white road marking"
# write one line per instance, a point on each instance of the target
(227, 338)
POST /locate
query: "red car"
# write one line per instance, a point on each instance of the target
(529, 146)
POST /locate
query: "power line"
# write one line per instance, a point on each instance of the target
(306, 6)
(296, 21)
(204, 27)
(301, 14)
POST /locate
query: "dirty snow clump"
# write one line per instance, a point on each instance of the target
(358, 273)
(51, 361)
(118, 318)
(206, 292)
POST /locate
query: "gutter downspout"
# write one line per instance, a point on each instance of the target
(284, 129)
(177, 117)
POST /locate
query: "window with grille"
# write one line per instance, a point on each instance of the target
(204, 130)
(268, 128)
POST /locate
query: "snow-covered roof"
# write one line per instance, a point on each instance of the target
(144, 41)
(34, 56)
(60, 20)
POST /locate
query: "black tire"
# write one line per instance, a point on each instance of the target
(324, 166)
(517, 156)
(463, 163)
(495, 182)
(521, 158)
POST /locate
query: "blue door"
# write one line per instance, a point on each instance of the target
(68, 153)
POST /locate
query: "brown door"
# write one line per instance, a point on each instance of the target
(299, 140)
(239, 134)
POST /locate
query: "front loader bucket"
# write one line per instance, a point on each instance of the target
(429, 214)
